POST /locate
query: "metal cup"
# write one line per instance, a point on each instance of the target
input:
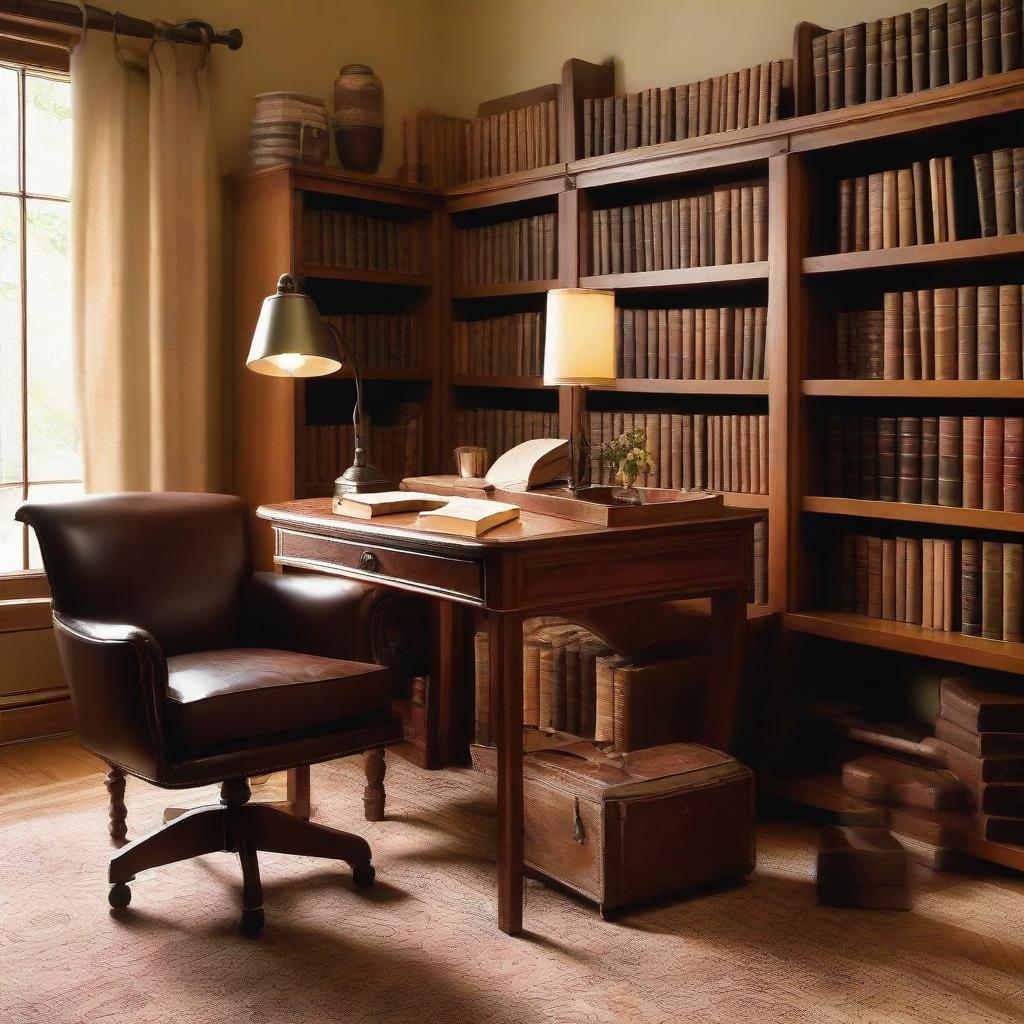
(471, 462)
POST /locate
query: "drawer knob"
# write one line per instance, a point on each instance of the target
(369, 562)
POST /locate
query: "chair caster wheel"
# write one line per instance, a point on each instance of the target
(251, 923)
(363, 875)
(120, 895)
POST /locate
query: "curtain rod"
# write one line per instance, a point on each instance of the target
(55, 12)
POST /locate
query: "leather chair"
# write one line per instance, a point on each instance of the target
(186, 668)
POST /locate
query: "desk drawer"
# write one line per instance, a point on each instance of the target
(452, 576)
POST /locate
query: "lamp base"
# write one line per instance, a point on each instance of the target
(359, 480)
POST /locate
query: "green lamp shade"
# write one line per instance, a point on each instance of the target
(290, 339)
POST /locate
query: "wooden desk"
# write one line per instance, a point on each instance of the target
(538, 565)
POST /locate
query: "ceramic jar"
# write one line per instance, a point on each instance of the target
(358, 117)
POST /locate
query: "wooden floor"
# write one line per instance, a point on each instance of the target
(27, 766)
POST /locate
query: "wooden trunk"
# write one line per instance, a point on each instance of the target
(622, 829)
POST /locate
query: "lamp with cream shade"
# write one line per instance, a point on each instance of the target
(579, 352)
(292, 339)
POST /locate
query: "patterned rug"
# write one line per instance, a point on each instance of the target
(422, 945)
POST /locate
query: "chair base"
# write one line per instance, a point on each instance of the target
(237, 826)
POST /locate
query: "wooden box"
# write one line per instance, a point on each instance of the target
(625, 828)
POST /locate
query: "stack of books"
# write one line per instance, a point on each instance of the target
(396, 449)
(739, 99)
(507, 252)
(723, 453)
(862, 867)
(981, 735)
(692, 344)
(955, 461)
(999, 179)
(357, 241)
(514, 140)
(511, 345)
(497, 430)
(949, 43)
(726, 224)
(382, 341)
(970, 586)
(967, 333)
(432, 153)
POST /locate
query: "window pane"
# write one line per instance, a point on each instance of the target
(10, 340)
(47, 136)
(11, 552)
(8, 130)
(53, 450)
(47, 492)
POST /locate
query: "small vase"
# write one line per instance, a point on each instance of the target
(627, 494)
(358, 118)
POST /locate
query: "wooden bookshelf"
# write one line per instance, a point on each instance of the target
(497, 291)
(966, 389)
(935, 254)
(689, 277)
(520, 383)
(662, 386)
(902, 512)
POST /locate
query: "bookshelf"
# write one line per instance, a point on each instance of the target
(801, 280)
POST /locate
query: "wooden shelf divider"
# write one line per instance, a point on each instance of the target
(896, 511)
(935, 254)
(686, 277)
(967, 389)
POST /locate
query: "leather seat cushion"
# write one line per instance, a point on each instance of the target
(228, 696)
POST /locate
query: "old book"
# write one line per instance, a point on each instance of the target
(979, 710)
(1009, 332)
(1000, 830)
(834, 43)
(991, 59)
(909, 460)
(887, 57)
(929, 460)
(945, 331)
(991, 592)
(992, 463)
(972, 462)
(904, 78)
(970, 587)
(1013, 576)
(1009, 34)
(984, 182)
(632, 120)
(907, 234)
(926, 332)
(657, 703)
(1013, 464)
(888, 578)
(938, 61)
(531, 683)
(820, 69)
(919, 49)
(467, 517)
(988, 332)
(853, 64)
(950, 492)
(922, 202)
(967, 332)
(860, 856)
(886, 458)
(860, 213)
(888, 779)
(890, 210)
(928, 591)
(1002, 189)
(937, 183)
(996, 756)
(972, 39)
(876, 211)
(956, 36)
(872, 59)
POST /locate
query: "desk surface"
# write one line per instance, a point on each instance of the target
(529, 528)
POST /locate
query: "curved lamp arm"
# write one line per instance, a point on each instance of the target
(357, 412)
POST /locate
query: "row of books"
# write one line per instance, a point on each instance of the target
(966, 333)
(969, 586)
(904, 206)
(692, 344)
(981, 734)
(381, 341)
(728, 224)
(497, 430)
(513, 250)
(396, 449)
(357, 241)
(951, 42)
(955, 461)
(432, 153)
(999, 180)
(739, 99)
(514, 140)
(511, 345)
(716, 452)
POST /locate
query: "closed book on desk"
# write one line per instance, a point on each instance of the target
(467, 517)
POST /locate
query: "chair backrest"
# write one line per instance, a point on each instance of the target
(173, 564)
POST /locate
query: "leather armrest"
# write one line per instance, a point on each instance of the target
(118, 677)
(321, 615)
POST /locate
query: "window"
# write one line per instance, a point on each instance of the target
(39, 445)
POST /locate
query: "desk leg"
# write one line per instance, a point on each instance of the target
(728, 648)
(505, 635)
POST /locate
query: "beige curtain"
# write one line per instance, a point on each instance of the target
(146, 248)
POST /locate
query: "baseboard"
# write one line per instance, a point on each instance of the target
(36, 721)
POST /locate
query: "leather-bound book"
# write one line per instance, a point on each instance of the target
(1000, 830)
(929, 460)
(860, 213)
(994, 756)
(871, 342)
(1013, 464)
(886, 426)
(1009, 332)
(911, 336)
(972, 461)
(657, 703)
(915, 592)
(666, 115)
(985, 186)
(904, 78)
(680, 100)
(629, 318)
(950, 585)
(991, 590)
(619, 124)
(1013, 613)
(967, 332)
(869, 458)
(888, 578)
(991, 59)
(971, 587)
(677, 450)
(887, 57)
(845, 358)
(923, 231)
(687, 343)
(875, 577)
(844, 231)
(851, 457)
(908, 487)
(926, 332)
(937, 192)
(890, 210)
(820, 68)
(604, 701)
(854, 54)
(972, 39)
(615, 240)
(978, 710)
(928, 583)
(860, 575)
(674, 330)
(876, 200)
(1002, 191)
(992, 463)
(907, 234)
(763, 455)
(938, 60)
(988, 332)
(919, 49)
(872, 58)
(1017, 159)
(950, 453)
(1009, 35)
(956, 32)
(900, 582)
(632, 120)
(945, 331)
(572, 687)
(760, 192)
(834, 62)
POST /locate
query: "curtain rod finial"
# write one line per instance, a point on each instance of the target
(234, 38)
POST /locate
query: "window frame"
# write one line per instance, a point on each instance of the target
(24, 593)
